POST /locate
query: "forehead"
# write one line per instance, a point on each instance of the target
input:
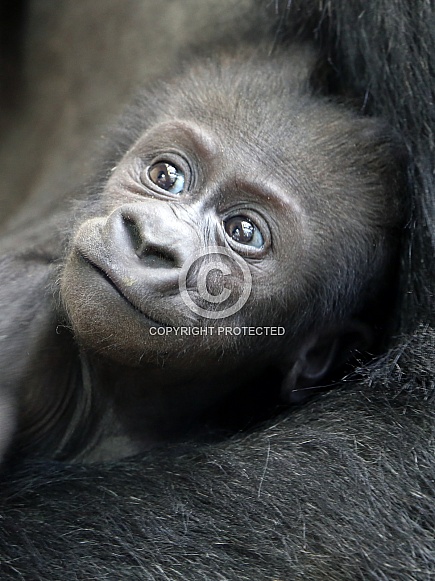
(245, 99)
(286, 144)
(270, 126)
(318, 151)
(231, 161)
(265, 127)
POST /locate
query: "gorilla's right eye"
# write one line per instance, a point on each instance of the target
(166, 176)
(243, 231)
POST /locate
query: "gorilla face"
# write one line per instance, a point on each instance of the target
(225, 212)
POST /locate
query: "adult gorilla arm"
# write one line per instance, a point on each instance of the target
(342, 489)
(389, 58)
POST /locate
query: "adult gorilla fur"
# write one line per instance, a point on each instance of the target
(341, 488)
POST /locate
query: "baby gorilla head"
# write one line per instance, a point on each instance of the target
(242, 201)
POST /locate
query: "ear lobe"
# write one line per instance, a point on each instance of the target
(319, 355)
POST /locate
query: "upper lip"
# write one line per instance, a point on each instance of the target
(113, 283)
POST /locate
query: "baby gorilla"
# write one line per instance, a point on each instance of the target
(242, 222)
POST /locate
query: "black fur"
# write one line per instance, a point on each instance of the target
(342, 488)
(310, 497)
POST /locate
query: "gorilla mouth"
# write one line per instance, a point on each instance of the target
(103, 274)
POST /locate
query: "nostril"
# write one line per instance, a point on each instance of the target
(156, 256)
(133, 232)
(152, 254)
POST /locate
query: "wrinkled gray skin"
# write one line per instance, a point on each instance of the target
(320, 187)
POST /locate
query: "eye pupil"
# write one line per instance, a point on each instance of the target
(163, 175)
(166, 176)
(241, 230)
(162, 178)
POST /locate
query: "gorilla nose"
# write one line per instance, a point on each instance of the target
(153, 252)
(158, 237)
(140, 248)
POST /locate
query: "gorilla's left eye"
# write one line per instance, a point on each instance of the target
(167, 176)
(243, 231)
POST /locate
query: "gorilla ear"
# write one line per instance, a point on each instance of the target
(318, 355)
